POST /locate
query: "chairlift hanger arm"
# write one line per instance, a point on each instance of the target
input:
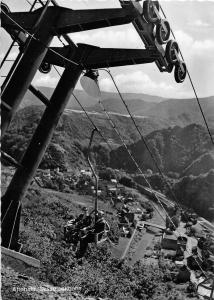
(89, 150)
(63, 20)
(103, 57)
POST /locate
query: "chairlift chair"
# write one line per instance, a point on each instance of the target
(103, 235)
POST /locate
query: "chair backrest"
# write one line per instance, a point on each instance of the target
(103, 235)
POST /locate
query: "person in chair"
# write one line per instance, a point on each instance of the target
(91, 232)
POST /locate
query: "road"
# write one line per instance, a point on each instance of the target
(148, 236)
(141, 247)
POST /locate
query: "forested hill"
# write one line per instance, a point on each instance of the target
(197, 192)
(72, 134)
(175, 149)
(179, 151)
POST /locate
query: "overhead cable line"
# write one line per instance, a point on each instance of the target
(92, 122)
(128, 151)
(193, 87)
(86, 113)
(141, 135)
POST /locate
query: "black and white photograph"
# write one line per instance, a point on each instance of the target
(107, 149)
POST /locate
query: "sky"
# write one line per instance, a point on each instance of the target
(193, 24)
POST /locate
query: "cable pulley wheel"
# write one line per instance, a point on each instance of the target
(45, 67)
(171, 52)
(5, 8)
(169, 68)
(162, 32)
(149, 12)
(180, 72)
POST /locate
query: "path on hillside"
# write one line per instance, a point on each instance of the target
(147, 237)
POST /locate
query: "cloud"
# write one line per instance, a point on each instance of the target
(126, 37)
(198, 55)
(11, 56)
(199, 24)
(193, 47)
(45, 80)
(136, 82)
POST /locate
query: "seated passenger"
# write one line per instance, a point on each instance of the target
(84, 219)
(89, 237)
(125, 208)
(73, 227)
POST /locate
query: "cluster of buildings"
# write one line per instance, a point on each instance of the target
(189, 248)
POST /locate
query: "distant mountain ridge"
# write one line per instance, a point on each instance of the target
(181, 112)
(87, 101)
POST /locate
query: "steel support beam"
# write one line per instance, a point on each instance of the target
(104, 57)
(33, 155)
(69, 20)
(25, 70)
(80, 20)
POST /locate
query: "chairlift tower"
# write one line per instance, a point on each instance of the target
(34, 32)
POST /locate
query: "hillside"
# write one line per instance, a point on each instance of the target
(197, 192)
(87, 101)
(174, 148)
(72, 134)
(180, 150)
(201, 165)
(182, 111)
(99, 275)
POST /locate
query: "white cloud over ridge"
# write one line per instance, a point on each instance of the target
(135, 82)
